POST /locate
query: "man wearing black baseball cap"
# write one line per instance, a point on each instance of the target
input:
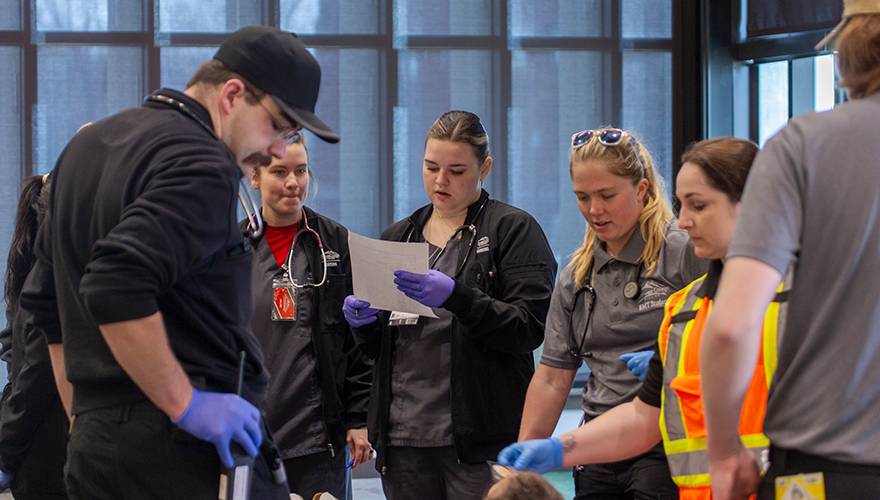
(141, 256)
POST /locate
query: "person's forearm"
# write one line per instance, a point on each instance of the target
(622, 432)
(545, 401)
(65, 389)
(141, 348)
(730, 346)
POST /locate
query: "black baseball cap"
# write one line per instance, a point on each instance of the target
(277, 63)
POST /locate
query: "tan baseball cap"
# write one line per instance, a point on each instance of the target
(850, 8)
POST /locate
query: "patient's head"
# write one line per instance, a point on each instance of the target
(523, 486)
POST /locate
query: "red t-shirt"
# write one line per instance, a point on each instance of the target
(279, 239)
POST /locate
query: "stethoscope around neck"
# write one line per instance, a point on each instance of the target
(288, 266)
(631, 291)
(471, 228)
(255, 222)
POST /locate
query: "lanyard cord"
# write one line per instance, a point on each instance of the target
(289, 266)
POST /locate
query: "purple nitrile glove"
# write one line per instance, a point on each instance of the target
(430, 289)
(536, 455)
(638, 362)
(6, 479)
(358, 312)
(220, 418)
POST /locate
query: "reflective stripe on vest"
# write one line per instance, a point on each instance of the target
(681, 417)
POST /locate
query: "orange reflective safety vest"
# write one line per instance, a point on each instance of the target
(681, 418)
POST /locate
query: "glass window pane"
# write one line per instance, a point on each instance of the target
(647, 105)
(432, 82)
(824, 71)
(772, 99)
(10, 16)
(546, 111)
(89, 15)
(80, 84)
(11, 159)
(179, 64)
(207, 16)
(646, 18)
(443, 17)
(343, 16)
(348, 172)
(556, 18)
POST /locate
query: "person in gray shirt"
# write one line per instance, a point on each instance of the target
(608, 305)
(813, 199)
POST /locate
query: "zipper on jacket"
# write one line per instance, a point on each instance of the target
(382, 471)
(332, 452)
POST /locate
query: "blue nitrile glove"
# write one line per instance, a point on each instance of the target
(536, 455)
(220, 418)
(638, 362)
(430, 289)
(6, 480)
(358, 312)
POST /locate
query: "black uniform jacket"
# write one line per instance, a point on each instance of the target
(343, 371)
(33, 423)
(142, 219)
(500, 300)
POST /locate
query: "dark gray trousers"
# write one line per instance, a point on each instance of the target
(432, 474)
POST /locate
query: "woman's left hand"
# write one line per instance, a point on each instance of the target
(361, 450)
(430, 289)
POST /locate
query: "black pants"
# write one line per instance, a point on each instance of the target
(643, 477)
(432, 474)
(41, 475)
(133, 451)
(319, 473)
(843, 481)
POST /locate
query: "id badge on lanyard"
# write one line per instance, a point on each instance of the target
(284, 300)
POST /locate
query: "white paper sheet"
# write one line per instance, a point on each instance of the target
(373, 263)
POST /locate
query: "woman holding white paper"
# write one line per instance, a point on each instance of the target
(319, 385)
(448, 393)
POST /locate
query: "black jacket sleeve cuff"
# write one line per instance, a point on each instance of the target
(461, 300)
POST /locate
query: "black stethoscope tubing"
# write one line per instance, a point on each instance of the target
(631, 291)
(472, 228)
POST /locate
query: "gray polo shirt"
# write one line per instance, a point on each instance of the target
(813, 197)
(618, 325)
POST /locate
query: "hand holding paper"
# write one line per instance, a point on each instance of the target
(358, 312)
(430, 289)
(373, 263)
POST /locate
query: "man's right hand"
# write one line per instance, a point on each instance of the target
(358, 312)
(221, 418)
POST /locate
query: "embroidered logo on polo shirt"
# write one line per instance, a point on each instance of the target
(483, 244)
(654, 295)
(332, 258)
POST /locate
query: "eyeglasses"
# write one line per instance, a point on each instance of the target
(282, 133)
(576, 348)
(608, 137)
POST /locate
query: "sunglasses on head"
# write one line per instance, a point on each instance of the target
(608, 137)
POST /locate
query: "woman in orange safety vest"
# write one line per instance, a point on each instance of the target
(709, 185)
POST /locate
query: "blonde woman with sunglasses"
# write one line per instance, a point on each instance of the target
(608, 304)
